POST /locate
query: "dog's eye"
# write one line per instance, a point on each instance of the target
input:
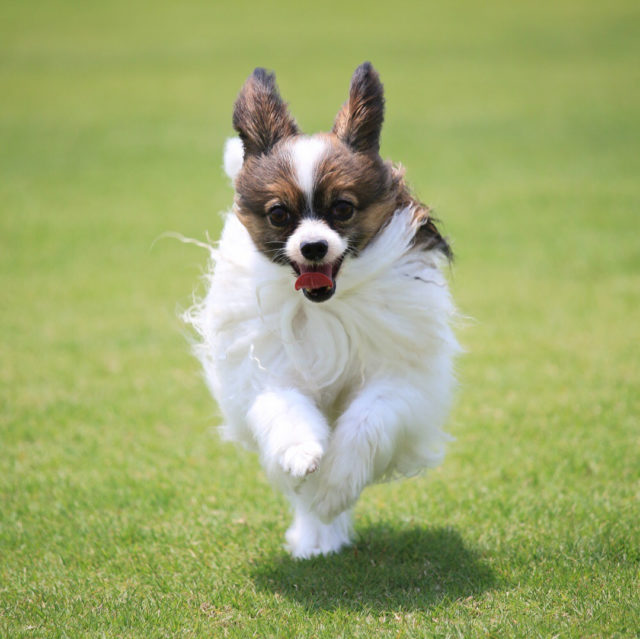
(342, 211)
(278, 216)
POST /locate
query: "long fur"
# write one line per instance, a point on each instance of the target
(384, 349)
(336, 395)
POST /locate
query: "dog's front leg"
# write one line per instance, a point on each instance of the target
(290, 430)
(362, 445)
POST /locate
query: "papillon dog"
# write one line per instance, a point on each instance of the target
(325, 333)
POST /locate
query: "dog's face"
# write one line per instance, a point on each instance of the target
(308, 201)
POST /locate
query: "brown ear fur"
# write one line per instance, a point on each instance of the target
(260, 116)
(359, 121)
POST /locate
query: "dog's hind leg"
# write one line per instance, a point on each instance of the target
(308, 536)
(363, 446)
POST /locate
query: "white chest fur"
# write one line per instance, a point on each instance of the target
(390, 318)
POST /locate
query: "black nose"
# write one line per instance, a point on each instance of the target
(314, 251)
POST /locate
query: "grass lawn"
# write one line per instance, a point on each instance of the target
(123, 515)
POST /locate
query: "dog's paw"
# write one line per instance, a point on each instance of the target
(301, 460)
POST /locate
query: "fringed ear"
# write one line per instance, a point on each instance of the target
(260, 116)
(359, 121)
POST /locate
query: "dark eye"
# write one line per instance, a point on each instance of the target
(278, 216)
(342, 211)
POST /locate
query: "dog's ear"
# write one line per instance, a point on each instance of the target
(260, 116)
(359, 121)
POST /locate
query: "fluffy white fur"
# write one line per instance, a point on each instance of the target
(337, 395)
(233, 157)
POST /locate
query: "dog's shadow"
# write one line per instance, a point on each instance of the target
(385, 570)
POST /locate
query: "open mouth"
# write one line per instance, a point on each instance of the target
(317, 281)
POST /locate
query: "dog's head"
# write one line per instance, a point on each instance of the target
(309, 201)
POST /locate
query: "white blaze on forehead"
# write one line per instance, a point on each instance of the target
(306, 153)
(315, 231)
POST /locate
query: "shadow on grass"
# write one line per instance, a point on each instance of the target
(385, 570)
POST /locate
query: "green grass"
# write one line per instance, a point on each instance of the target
(123, 515)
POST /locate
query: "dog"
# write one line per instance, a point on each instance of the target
(326, 330)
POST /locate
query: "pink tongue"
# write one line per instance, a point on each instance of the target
(314, 277)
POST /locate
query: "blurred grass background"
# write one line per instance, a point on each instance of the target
(121, 514)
